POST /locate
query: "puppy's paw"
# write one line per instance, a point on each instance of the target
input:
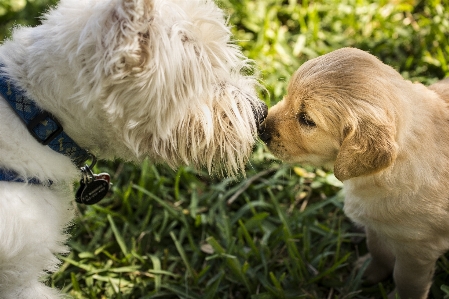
(361, 261)
(375, 272)
(393, 295)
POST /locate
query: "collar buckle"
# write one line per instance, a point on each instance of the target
(44, 127)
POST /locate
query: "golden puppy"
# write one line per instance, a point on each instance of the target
(387, 139)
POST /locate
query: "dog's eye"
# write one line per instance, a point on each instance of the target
(305, 120)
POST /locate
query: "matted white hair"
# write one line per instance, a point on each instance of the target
(158, 78)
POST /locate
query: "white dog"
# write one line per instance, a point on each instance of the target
(387, 139)
(116, 79)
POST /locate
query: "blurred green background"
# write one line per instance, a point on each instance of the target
(279, 232)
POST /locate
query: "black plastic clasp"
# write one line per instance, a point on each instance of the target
(39, 118)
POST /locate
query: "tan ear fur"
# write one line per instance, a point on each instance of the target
(366, 149)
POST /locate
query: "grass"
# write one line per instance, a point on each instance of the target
(162, 235)
(277, 233)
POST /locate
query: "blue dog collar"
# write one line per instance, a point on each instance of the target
(11, 176)
(44, 127)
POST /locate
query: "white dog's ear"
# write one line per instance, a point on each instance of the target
(126, 36)
(366, 149)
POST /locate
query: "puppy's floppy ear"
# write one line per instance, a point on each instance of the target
(366, 149)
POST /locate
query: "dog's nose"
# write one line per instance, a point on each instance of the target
(260, 114)
(264, 133)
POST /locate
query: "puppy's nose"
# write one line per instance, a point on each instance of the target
(260, 113)
(264, 133)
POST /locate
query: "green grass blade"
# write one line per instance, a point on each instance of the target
(118, 236)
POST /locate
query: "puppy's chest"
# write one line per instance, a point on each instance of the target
(382, 212)
(364, 209)
(397, 216)
(367, 202)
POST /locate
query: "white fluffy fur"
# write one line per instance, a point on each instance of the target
(127, 79)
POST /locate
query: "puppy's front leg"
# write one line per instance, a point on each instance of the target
(382, 262)
(412, 276)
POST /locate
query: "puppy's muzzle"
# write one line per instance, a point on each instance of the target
(260, 114)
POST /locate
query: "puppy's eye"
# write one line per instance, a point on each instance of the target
(305, 120)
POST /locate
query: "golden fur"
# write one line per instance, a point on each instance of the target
(387, 139)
